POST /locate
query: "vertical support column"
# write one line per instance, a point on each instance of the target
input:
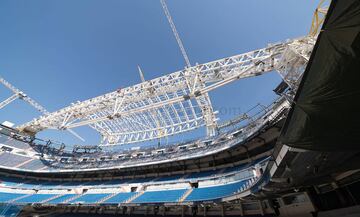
(146, 210)
(195, 84)
(205, 211)
(163, 211)
(183, 211)
(241, 209)
(340, 194)
(208, 113)
(261, 208)
(222, 210)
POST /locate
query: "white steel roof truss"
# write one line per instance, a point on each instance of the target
(174, 98)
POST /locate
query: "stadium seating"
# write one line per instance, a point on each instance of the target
(215, 192)
(55, 164)
(160, 196)
(12, 160)
(3, 139)
(33, 165)
(119, 198)
(49, 185)
(17, 144)
(60, 199)
(7, 197)
(35, 198)
(89, 198)
(61, 192)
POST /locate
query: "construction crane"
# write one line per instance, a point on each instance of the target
(176, 34)
(319, 17)
(18, 94)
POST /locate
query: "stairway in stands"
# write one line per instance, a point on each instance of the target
(72, 198)
(107, 197)
(184, 196)
(134, 197)
(18, 198)
(52, 198)
(23, 163)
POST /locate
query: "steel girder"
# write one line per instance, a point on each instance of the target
(293, 62)
(172, 103)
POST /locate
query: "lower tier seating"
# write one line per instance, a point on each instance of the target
(159, 196)
(210, 193)
(89, 198)
(35, 198)
(8, 197)
(120, 198)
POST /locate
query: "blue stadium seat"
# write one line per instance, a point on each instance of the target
(160, 196)
(119, 198)
(214, 192)
(33, 165)
(11, 160)
(35, 198)
(3, 139)
(89, 198)
(6, 197)
(17, 144)
(61, 199)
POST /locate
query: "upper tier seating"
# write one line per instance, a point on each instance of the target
(35, 164)
(13, 142)
(54, 159)
(12, 160)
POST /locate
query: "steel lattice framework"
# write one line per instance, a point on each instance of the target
(176, 102)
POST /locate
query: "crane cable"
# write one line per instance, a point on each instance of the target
(177, 37)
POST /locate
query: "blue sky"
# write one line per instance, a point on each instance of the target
(59, 52)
